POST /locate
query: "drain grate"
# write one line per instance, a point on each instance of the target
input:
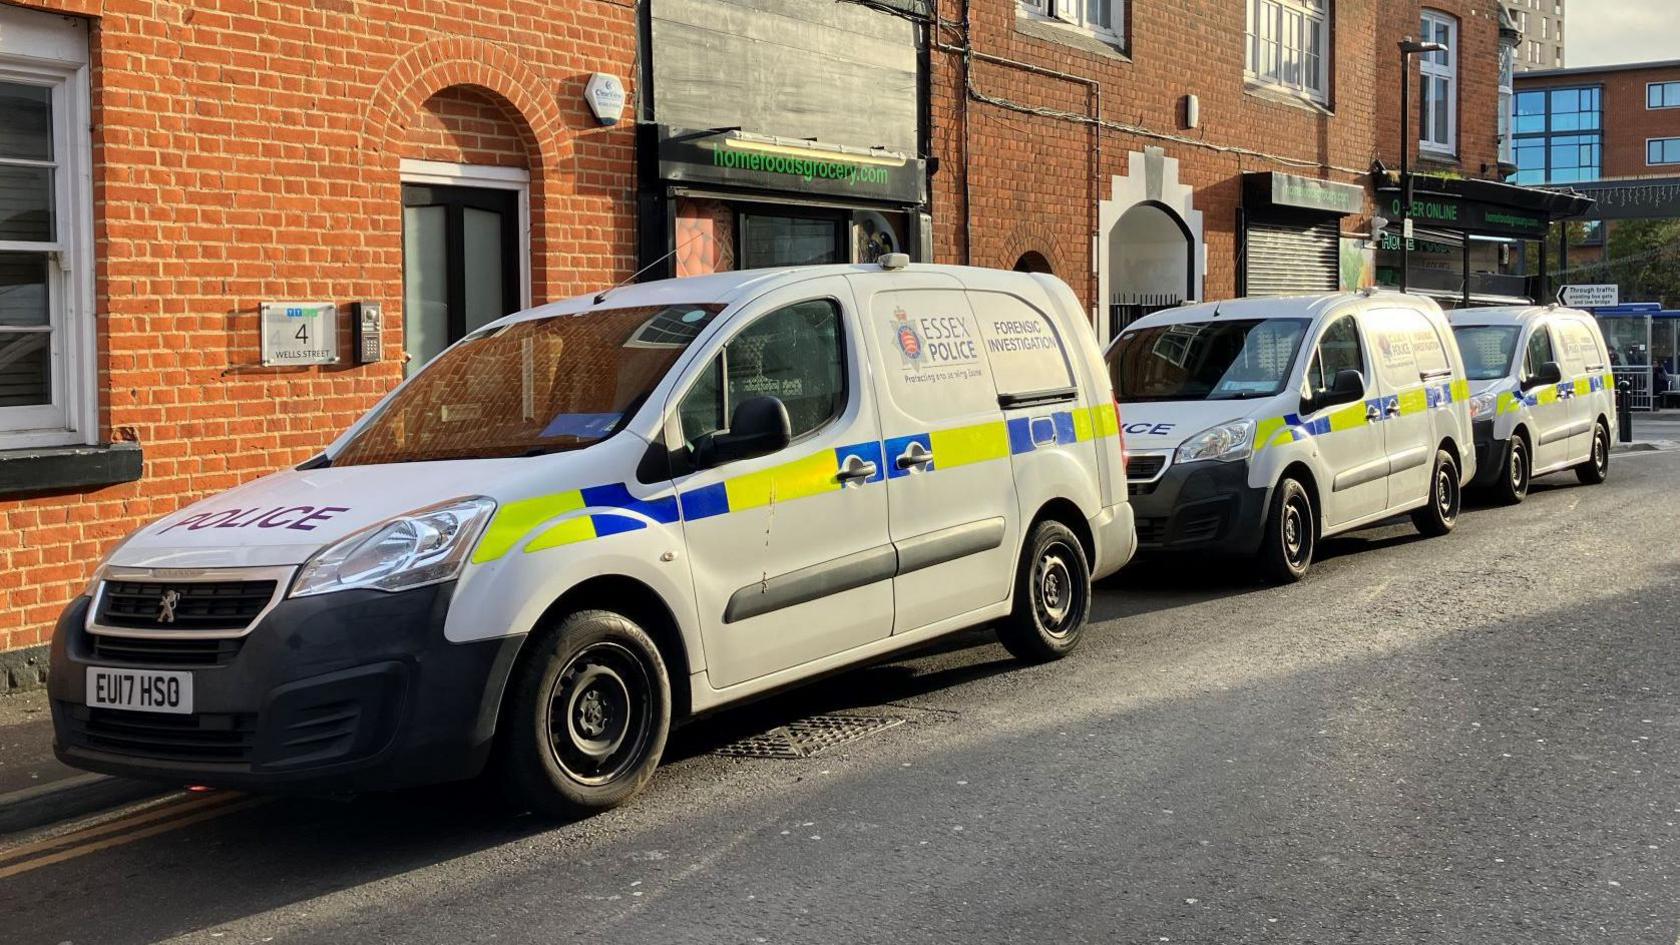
(806, 737)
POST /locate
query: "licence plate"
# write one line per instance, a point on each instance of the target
(140, 690)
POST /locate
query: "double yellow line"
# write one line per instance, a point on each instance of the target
(173, 813)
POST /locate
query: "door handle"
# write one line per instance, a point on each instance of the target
(857, 469)
(1372, 414)
(1392, 410)
(915, 455)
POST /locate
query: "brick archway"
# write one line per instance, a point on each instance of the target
(1032, 238)
(491, 71)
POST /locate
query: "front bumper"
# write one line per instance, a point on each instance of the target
(351, 691)
(1490, 454)
(1205, 506)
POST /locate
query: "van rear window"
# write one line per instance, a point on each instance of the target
(544, 385)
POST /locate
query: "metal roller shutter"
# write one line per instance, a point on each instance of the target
(1293, 260)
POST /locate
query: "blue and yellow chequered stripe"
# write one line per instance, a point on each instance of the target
(811, 475)
(1274, 431)
(1512, 401)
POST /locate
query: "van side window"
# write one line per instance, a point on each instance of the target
(1539, 351)
(1338, 350)
(795, 354)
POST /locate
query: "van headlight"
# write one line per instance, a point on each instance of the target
(1227, 443)
(422, 547)
(1482, 406)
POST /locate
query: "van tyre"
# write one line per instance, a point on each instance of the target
(1291, 536)
(1052, 596)
(587, 716)
(1597, 467)
(1512, 487)
(1438, 516)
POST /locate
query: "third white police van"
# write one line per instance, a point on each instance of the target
(1258, 426)
(1541, 394)
(585, 520)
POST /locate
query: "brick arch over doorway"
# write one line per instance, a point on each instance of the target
(1032, 238)
(403, 114)
(464, 125)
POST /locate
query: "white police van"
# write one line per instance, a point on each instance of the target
(585, 520)
(1258, 426)
(1542, 397)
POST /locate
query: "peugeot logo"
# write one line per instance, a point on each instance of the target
(166, 606)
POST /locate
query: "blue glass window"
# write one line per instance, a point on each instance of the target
(1558, 135)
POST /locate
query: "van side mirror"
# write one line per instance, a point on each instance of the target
(1549, 373)
(758, 427)
(1348, 386)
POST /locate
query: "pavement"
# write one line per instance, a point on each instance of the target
(1459, 740)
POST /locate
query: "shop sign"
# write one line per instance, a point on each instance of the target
(1471, 216)
(1308, 193)
(1590, 296)
(296, 333)
(737, 159)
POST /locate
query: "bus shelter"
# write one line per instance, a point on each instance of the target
(1644, 339)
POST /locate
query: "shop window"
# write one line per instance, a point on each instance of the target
(771, 238)
(47, 370)
(795, 354)
(1288, 46)
(1104, 19)
(1438, 110)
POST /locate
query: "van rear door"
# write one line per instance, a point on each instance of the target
(950, 492)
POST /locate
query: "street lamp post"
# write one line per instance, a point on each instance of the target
(1408, 49)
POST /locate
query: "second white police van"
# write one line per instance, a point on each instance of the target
(1541, 395)
(1259, 426)
(589, 519)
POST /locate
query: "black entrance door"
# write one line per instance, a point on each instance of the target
(460, 264)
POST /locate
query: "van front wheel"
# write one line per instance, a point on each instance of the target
(1052, 596)
(1291, 534)
(1440, 513)
(1512, 487)
(587, 716)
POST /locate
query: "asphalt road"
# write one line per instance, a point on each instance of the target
(1463, 740)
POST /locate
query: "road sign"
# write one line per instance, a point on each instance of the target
(299, 333)
(1590, 296)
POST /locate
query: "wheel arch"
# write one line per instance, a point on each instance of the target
(636, 600)
(1065, 511)
(1303, 473)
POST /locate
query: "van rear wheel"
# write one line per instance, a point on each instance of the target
(1439, 515)
(1512, 487)
(1052, 596)
(1597, 467)
(587, 716)
(1286, 552)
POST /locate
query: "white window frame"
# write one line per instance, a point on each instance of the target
(1649, 86)
(48, 49)
(1651, 141)
(491, 177)
(1431, 69)
(1289, 16)
(1076, 13)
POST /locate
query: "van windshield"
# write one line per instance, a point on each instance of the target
(1488, 349)
(538, 386)
(1223, 360)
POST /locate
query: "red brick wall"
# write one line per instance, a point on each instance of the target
(1627, 122)
(247, 150)
(1029, 182)
(464, 126)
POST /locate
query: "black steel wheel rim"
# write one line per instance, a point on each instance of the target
(1297, 532)
(600, 713)
(1057, 594)
(1601, 455)
(1519, 468)
(1446, 493)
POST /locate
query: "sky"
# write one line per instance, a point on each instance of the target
(1604, 32)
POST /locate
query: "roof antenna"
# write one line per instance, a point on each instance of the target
(602, 297)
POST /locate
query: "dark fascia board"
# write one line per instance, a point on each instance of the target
(60, 469)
